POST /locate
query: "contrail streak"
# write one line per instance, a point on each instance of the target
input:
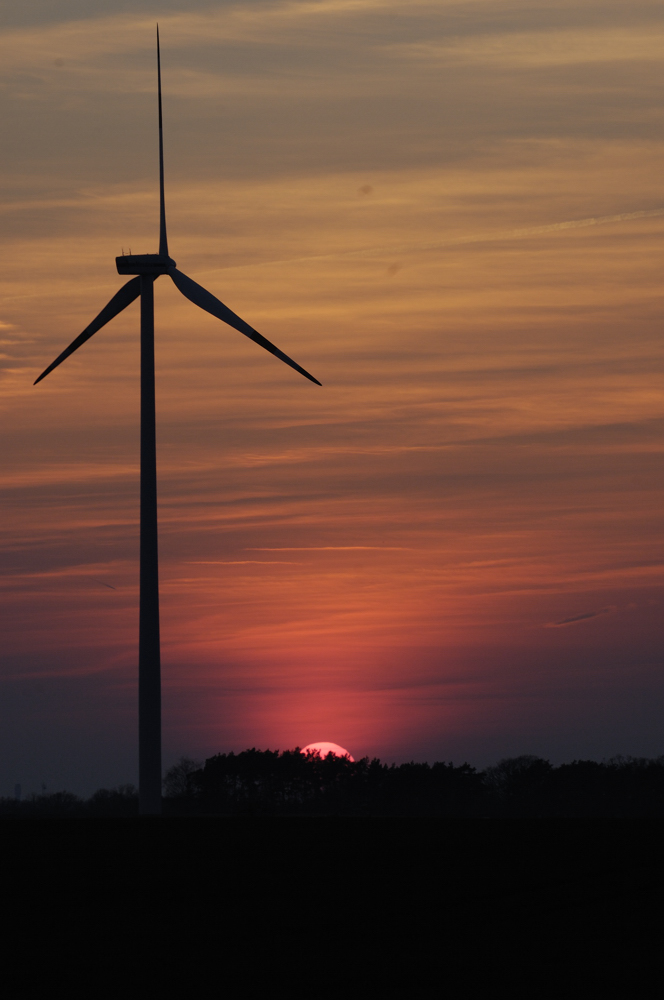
(508, 234)
(596, 220)
(580, 618)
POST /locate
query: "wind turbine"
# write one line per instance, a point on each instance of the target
(147, 268)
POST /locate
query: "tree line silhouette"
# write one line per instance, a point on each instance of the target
(273, 783)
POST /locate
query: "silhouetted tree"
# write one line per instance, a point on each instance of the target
(519, 785)
(267, 782)
(120, 801)
(178, 781)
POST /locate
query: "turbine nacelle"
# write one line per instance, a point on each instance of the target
(144, 263)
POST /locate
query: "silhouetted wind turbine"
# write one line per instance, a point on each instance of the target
(148, 267)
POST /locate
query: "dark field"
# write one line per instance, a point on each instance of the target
(307, 903)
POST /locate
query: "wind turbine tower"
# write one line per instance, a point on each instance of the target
(147, 268)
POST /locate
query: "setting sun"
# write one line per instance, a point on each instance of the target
(325, 748)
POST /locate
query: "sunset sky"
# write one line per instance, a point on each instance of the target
(451, 213)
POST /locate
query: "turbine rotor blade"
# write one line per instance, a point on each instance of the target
(205, 300)
(163, 241)
(120, 301)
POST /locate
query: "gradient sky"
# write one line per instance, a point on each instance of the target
(451, 213)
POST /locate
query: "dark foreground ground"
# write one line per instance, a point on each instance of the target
(319, 906)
